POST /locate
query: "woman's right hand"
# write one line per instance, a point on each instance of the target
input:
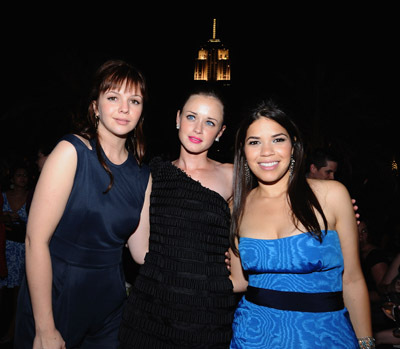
(49, 340)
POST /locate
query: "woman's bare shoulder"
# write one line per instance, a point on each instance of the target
(329, 192)
(226, 170)
(227, 167)
(325, 185)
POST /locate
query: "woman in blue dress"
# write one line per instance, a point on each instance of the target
(295, 246)
(87, 203)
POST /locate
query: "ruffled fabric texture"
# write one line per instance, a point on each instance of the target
(182, 297)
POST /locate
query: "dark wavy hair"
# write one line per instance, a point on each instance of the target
(301, 197)
(110, 75)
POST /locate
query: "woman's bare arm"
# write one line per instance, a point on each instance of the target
(48, 204)
(139, 241)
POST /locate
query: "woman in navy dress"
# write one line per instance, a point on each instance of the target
(87, 203)
(296, 246)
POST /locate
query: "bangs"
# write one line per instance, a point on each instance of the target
(114, 81)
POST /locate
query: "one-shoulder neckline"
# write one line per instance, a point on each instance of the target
(179, 170)
(286, 237)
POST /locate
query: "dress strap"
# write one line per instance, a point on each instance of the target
(93, 143)
(296, 301)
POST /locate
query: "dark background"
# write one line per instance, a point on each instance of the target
(334, 68)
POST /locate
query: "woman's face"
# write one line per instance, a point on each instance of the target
(268, 149)
(119, 110)
(200, 122)
(20, 178)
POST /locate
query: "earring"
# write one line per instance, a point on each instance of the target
(96, 123)
(291, 167)
(246, 172)
(177, 126)
(217, 139)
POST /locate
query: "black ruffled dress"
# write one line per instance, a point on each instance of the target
(182, 297)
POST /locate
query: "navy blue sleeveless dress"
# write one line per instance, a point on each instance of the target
(86, 248)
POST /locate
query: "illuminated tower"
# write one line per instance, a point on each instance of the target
(212, 62)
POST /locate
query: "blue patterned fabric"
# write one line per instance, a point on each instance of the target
(15, 252)
(298, 263)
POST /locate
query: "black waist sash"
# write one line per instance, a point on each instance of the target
(296, 301)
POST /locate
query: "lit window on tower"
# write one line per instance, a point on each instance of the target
(223, 54)
(202, 54)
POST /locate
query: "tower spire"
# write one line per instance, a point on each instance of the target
(214, 28)
(214, 32)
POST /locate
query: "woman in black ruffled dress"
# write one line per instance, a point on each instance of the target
(182, 297)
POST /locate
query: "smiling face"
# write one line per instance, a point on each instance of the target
(268, 149)
(119, 110)
(200, 122)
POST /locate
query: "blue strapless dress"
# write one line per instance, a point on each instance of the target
(298, 263)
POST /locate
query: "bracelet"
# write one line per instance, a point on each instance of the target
(366, 342)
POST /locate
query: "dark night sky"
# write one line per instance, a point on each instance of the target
(334, 65)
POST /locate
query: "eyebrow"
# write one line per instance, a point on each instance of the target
(118, 92)
(209, 117)
(273, 136)
(252, 137)
(280, 134)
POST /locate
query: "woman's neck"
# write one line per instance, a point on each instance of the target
(114, 147)
(188, 161)
(273, 190)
